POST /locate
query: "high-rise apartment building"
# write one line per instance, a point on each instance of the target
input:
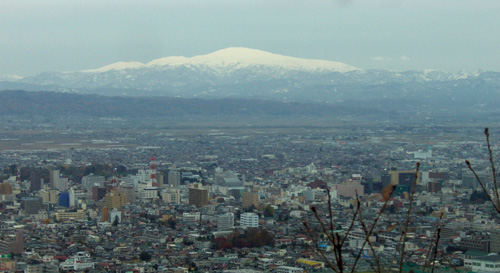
(249, 198)
(115, 199)
(249, 220)
(129, 192)
(98, 193)
(198, 197)
(13, 244)
(225, 221)
(5, 188)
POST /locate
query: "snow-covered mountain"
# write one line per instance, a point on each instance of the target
(232, 59)
(249, 73)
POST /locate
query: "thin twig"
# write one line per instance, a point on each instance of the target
(371, 229)
(429, 251)
(315, 241)
(366, 234)
(325, 231)
(405, 231)
(333, 240)
(493, 169)
(330, 210)
(337, 251)
(449, 262)
(351, 226)
(482, 186)
(436, 249)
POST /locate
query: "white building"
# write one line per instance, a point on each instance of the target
(249, 220)
(191, 217)
(91, 180)
(171, 195)
(79, 262)
(489, 263)
(289, 269)
(61, 183)
(423, 154)
(225, 221)
(174, 178)
(72, 200)
(115, 213)
(148, 193)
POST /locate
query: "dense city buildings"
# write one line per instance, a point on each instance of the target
(235, 202)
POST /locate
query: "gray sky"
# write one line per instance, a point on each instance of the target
(449, 35)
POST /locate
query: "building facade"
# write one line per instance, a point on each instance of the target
(249, 220)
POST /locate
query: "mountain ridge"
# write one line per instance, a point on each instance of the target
(432, 93)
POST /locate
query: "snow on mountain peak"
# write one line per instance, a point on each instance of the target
(235, 58)
(117, 66)
(10, 77)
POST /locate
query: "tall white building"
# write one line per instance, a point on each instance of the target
(54, 176)
(249, 220)
(72, 198)
(225, 221)
(61, 183)
(174, 178)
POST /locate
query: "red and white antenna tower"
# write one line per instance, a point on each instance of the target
(18, 178)
(114, 182)
(152, 167)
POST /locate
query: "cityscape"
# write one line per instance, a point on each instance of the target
(235, 200)
(249, 136)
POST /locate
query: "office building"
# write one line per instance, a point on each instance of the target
(54, 176)
(61, 184)
(174, 178)
(403, 178)
(36, 181)
(64, 199)
(31, 205)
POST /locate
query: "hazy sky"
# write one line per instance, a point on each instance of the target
(449, 35)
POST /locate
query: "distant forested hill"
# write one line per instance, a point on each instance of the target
(24, 103)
